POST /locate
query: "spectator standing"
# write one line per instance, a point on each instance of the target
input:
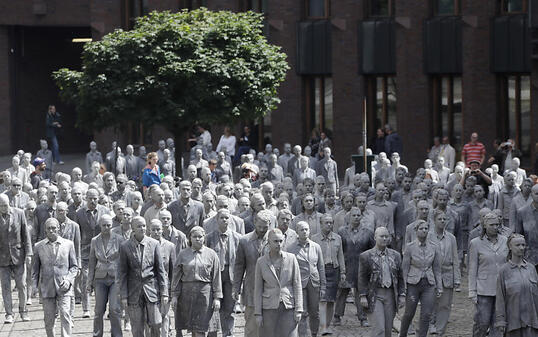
(449, 153)
(227, 142)
(393, 142)
(473, 151)
(378, 144)
(151, 174)
(54, 125)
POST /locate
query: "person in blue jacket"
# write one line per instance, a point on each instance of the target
(151, 174)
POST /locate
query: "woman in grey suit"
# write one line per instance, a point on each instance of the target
(516, 304)
(197, 285)
(278, 293)
(421, 269)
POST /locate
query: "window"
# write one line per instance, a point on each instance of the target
(381, 103)
(317, 9)
(513, 6)
(380, 8)
(446, 7)
(259, 6)
(447, 108)
(133, 9)
(195, 4)
(515, 109)
(319, 104)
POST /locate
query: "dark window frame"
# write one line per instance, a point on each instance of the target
(327, 7)
(503, 129)
(437, 113)
(505, 12)
(369, 7)
(371, 102)
(457, 8)
(309, 103)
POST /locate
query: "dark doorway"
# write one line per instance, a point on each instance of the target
(35, 53)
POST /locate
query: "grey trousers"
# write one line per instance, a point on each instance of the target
(144, 313)
(278, 322)
(383, 314)
(107, 290)
(443, 306)
(310, 310)
(340, 305)
(251, 329)
(484, 317)
(165, 325)
(227, 304)
(60, 305)
(19, 274)
(83, 281)
(425, 293)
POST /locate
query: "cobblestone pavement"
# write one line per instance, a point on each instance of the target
(460, 322)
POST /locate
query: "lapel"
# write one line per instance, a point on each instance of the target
(101, 245)
(111, 243)
(132, 247)
(59, 243)
(272, 268)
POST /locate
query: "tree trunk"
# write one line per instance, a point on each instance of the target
(178, 142)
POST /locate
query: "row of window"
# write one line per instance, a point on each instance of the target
(446, 106)
(320, 9)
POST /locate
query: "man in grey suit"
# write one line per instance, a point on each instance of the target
(171, 233)
(70, 230)
(329, 170)
(236, 223)
(381, 286)
(143, 280)
(45, 211)
(186, 212)
(251, 247)
(15, 250)
(224, 242)
(293, 162)
(102, 266)
(54, 271)
(312, 268)
(17, 198)
(88, 219)
(168, 252)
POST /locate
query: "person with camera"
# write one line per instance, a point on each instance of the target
(474, 170)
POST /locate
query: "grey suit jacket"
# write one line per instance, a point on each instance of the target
(103, 261)
(71, 232)
(185, 222)
(485, 261)
(88, 229)
(213, 240)
(245, 266)
(168, 251)
(20, 242)
(20, 201)
(48, 271)
(142, 276)
(270, 290)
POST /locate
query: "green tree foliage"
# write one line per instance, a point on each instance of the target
(175, 70)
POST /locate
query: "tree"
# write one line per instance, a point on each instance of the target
(176, 70)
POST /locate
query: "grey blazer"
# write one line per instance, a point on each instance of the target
(20, 242)
(87, 229)
(142, 276)
(103, 261)
(485, 261)
(48, 271)
(71, 232)
(212, 241)
(270, 290)
(185, 222)
(245, 266)
(168, 251)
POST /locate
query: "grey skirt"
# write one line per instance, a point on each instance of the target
(194, 307)
(332, 276)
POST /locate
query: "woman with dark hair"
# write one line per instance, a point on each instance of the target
(314, 141)
(516, 305)
(421, 269)
(196, 284)
(487, 253)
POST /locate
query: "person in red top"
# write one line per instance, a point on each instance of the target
(474, 150)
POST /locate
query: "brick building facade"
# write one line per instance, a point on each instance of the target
(430, 68)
